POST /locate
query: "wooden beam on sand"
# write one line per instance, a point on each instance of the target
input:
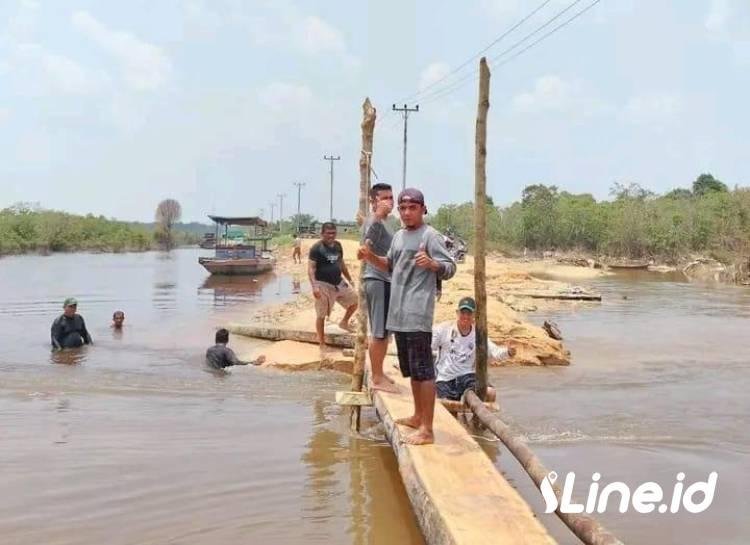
(558, 296)
(345, 340)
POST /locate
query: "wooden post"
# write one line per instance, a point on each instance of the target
(480, 227)
(360, 342)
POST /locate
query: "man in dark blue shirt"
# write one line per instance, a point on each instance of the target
(220, 355)
(69, 330)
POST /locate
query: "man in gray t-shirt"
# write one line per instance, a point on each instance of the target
(377, 283)
(416, 259)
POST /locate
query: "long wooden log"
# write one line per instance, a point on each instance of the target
(345, 340)
(480, 227)
(585, 528)
(360, 344)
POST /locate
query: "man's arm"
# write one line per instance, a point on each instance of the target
(345, 271)
(365, 253)
(311, 265)
(85, 332)
(443, 263)
(232, 359)
(499, 353)
(55, 333)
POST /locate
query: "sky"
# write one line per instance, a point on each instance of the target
(109, 107)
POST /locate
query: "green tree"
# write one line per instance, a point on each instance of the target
(706, 183)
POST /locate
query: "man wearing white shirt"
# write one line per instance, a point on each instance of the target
(455, 344)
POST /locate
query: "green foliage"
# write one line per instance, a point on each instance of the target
(706, 183)
(24, 228)
(635, 223)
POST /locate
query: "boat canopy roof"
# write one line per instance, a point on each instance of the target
(247, 221)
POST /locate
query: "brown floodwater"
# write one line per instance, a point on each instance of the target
(131, 441)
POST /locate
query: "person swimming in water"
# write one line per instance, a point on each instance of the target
(69, 329)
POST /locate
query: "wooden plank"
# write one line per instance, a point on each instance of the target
(458, 496)
(345, 340)
(355, 399)
(559, 296)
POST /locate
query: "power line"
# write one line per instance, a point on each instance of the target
(478, 54)
(441, 93)
(459, 82)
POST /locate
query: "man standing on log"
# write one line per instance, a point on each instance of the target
(416, 259)
(376, 233)
(325, 269)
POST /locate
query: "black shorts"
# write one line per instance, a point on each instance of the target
(415, 354)
(455, 388)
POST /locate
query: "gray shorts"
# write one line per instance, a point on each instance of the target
(378, 294)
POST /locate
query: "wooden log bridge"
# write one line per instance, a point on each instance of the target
(458, 496)
(587, 529)
(345, 340)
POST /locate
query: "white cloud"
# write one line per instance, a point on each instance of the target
(434, 72)
(550, 93)
(729, 21)
(553, 94)
(281, 97)
(145, 66)
(4, 114)
(316, 37)
(652, 108)
(62, 74)
(21, 25)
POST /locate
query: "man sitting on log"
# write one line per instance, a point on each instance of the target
(455, 344)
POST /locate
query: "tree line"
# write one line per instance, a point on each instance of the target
(26, 227)
(708, 218)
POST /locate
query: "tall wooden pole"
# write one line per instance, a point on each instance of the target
(360, 343)
(480, 227)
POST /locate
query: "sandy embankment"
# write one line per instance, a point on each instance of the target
(504, 277)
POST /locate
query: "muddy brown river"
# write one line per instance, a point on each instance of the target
(131, 441)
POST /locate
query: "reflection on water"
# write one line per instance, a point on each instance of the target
(134, 442)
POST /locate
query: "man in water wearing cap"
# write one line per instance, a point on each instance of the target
(69, 330)
(455, 344)
(416, 259)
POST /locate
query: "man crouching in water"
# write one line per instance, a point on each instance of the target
(220, 355)
(416, 258)
(455, 344)
(69, 330)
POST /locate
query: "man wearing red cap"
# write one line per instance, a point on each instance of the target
(416, 259)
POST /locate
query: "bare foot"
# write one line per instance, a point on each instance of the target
(384, 386)
(419, 438)
(411, 421)
(346, 326)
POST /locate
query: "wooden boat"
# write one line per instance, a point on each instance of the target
(249, 257)
(629, 266)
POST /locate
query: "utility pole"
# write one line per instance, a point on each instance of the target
(281, 210)
(331, 159)
(299, 200)
(273, 207)
(405, 111)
